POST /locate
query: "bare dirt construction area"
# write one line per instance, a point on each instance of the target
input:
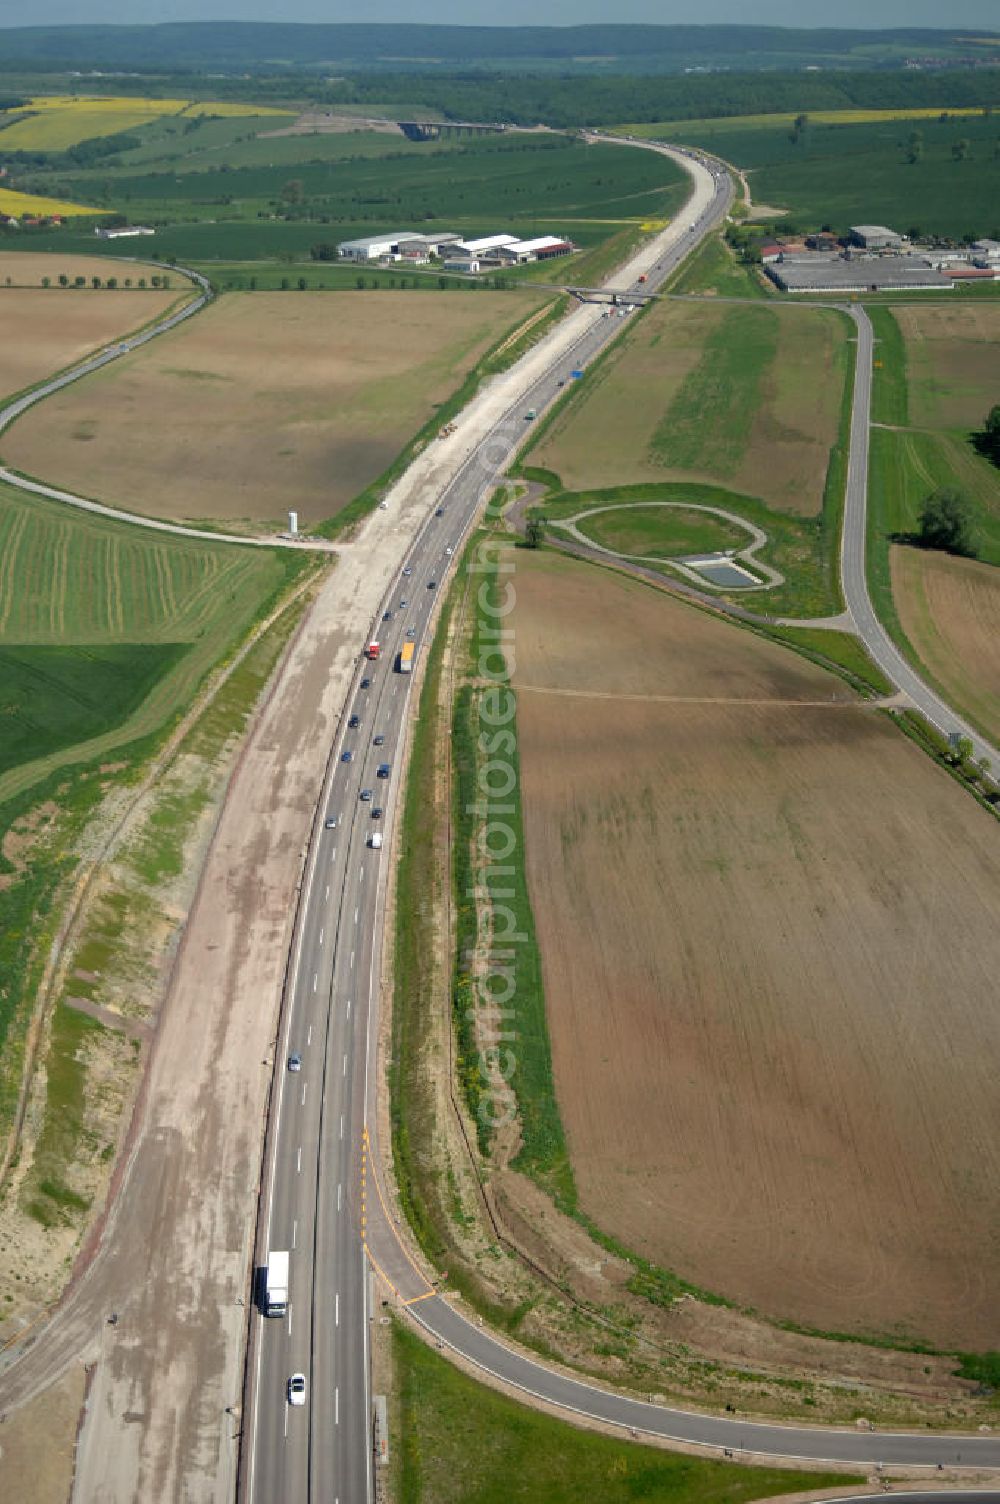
(45, 329)
(767, 926)
(949, 609)
(263, 403)
(724, 394)
(953, 362)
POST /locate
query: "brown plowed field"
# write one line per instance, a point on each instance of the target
(769, 943)
(950, 610)
(264, 402)
(46, 329)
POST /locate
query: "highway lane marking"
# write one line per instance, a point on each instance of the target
(321, 934)
(340, 1192)
(352, 960)
(326, 895)
(289, 1318)
(315, 980)
(356, 911)
(336, 1309)
(304, 1093)
(298, 1165)
(336, 1406)
(295, 1231)
(361, 875)
(333, 857)
(286, 1421)
(348, 1007)
(341, 1125)
(345, 1065)
(309, 1036)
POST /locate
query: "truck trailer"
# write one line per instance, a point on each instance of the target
(406, 653)
(276, 1284)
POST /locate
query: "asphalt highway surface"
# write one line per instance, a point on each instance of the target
(323, 1200)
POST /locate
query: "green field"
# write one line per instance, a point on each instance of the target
(100, 592)
(232, 204)
(713, 268)
(56, 697)
(839, 175)
(662, 532)
(462, 1443)
(107, 632)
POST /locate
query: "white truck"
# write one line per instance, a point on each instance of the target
(276, 1284)
(375, 840)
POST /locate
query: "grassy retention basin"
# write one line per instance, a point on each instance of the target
(462, 1443)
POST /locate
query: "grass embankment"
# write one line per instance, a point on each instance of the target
(462, 1443)
(714, 269)
(507, 349)
(543, 1154)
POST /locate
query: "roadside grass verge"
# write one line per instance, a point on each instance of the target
(543, 1154)
(507, 349)
(797, 546)
(889, 391)
(714, 269)
(463, 1443)
(839, 651)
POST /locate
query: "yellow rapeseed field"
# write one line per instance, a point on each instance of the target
(59, 121)
(15, 205)
(762, 122)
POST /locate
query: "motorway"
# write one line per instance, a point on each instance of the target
(314, 1176)
(322, 1198)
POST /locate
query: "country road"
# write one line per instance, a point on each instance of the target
(322, 1198)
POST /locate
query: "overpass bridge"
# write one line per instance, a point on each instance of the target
(434, 130)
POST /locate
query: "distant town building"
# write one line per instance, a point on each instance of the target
(121, 232)
(484, 246)
(466, 264)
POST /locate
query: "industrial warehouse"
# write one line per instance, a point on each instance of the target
(457, 254)
(874, 258)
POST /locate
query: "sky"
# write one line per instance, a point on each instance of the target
(961, 14)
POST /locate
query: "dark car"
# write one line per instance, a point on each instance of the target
(354, 721)
(379, 741)
(387, 616)
(432, 584)
(383, 770)
(330, 823)
(377, 812)
(366, 683)
(439, 512)
(407, 571)
(366, 796)
(347, 756)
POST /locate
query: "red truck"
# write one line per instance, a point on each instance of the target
(372, 650)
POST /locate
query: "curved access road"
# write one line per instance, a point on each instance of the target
(853, 561)
(115, 351)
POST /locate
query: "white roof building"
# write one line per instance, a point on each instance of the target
(532, 250)
(483, 245)
(371, 247)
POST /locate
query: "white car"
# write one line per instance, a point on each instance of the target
(297, 1389)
